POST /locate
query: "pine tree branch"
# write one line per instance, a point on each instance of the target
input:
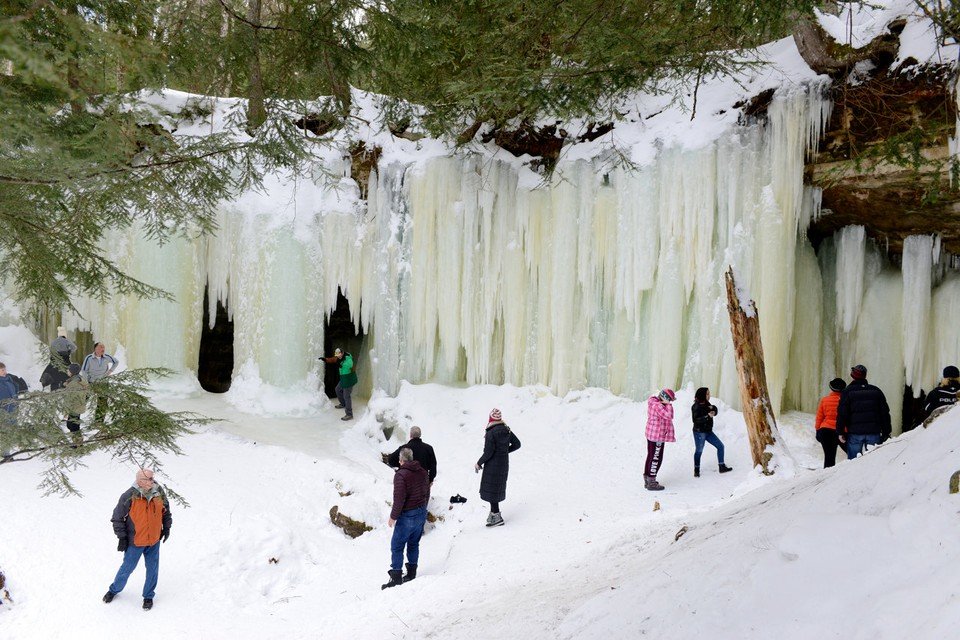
(255, 25)
(120, 170)
(32, 11)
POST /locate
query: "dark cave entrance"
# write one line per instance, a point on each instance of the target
(339, 332)
(215, 366)
(912, 408)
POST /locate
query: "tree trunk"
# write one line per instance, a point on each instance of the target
(256, 112)
(757, 411)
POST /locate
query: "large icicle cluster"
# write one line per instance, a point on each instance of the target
(465, 268)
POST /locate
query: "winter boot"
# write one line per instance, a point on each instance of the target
(411, 572)
(495, 520)
(724, 468)
(651, 484)
(347, 417)
(696, 472)
(147, 604)
(109, 596)
(339, 406)
(396, 578)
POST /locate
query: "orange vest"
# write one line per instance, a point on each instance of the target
(827, 411)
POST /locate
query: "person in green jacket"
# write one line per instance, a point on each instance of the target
(348, 378)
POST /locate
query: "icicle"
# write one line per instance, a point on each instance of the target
(917, 272)
(851, 248)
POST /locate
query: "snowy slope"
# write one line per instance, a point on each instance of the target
(583, 553)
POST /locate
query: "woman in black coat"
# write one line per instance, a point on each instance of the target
(498, 443)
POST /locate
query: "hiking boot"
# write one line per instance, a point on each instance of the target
(411, 572)
(724, 468)
(345, 418)
(495, 520)
(696, 472)
(339, 406)
(396, 578)
(109, 596)
(147, 604)
(651, 484)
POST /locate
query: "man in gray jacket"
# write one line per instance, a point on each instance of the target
(63, 346)
(96, 366)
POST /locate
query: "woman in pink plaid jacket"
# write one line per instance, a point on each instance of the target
(659, 431)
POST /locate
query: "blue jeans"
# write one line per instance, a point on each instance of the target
(131, 557)
(700, 440)
(407, 532)
(856, 443)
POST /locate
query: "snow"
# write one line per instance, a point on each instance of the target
(584, 553)
(563, 302)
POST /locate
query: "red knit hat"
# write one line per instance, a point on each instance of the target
(495, 416)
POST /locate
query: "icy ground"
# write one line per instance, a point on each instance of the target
(865, 550)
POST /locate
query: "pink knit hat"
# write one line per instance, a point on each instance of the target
(495, 416)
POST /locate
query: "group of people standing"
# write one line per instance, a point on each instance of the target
(660, 431)
(856, 416)
(416, 465)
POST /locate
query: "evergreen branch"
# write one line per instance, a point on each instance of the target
(159, 164)
(29, 13)
(240, 18)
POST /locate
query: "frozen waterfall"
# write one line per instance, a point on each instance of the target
(467, 268)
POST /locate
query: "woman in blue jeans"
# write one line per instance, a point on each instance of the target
(703, 413)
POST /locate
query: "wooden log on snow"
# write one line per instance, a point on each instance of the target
(752, 375)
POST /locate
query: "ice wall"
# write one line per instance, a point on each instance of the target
(606, 275)
(467, 267)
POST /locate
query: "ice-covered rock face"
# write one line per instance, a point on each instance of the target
(460, 268)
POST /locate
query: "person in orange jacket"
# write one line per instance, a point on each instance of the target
(141, 521)
(826, 422)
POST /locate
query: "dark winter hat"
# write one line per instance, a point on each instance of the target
(951, 372)
(859, 372)
(73, 369)
(837, 384)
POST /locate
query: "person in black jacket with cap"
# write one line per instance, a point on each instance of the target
(944, 394)
(863, 415)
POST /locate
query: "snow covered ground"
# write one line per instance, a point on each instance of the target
(865, 550)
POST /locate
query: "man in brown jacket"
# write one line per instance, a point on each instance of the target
(411, 492)
(141, 520)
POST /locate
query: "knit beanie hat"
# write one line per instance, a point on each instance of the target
(61, 332)
(951, 372)
(667, 395)
(859, 372)
(837, 384)
(495, 416)
(73, 369)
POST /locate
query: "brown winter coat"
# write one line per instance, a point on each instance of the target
(411, 488)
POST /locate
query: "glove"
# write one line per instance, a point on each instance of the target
(122, 544)
(165, 534)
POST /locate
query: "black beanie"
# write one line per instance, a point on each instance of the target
(837, 384)
(951, 372)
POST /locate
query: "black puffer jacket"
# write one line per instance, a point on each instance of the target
(944, 395)
(863, 410)
(702, 420)
(422, 453)
(499, 442)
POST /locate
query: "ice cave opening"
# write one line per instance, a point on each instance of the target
(215, 363)
(339, 332)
